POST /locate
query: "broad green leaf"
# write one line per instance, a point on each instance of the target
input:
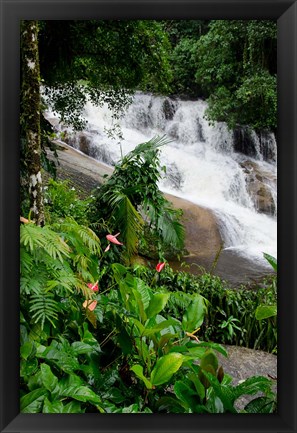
(215, 346)
(224, 393)
(194, 315)
(156, 304)
(28, 367)
(27, 349)
(144, 292)
(271, 260)
(138, 325)
(197, 352)
(125, 341)
(119, 271)
(49, 380)
(80, 348)
(115, 395)
(170, 404)
(157, 328)
(71, 380)
(87, 337)
(265, 311)
(72, 407)
(165, 339)
(138, 370)
(186, 394)
(209, 359)
(55, 407)
(165, 367)
(23, 334)
(81, 393)
(141, 312)
(32, 402)
(133, 408)
(198, 385)
(64, 360)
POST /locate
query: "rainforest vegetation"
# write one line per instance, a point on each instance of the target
(99, 331)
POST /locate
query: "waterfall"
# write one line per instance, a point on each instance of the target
(225, 171)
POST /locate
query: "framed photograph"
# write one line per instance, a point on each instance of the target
(148, 216)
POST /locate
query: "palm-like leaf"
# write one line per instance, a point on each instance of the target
(143, 148)
(172, 231)
(127, 220)
(166, 221)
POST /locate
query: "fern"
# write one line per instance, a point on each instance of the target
(33, 237)
(56, 262)
(44, 307)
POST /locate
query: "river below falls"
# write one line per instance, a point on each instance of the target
(232, 267)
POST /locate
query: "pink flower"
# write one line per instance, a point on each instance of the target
(91, 305)
(113, 239)
(94, 286)
(160, 266)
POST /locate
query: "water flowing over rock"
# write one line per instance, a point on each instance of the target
(231, 174)
(261, 145)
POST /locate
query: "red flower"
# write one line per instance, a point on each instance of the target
(94, 286)
(113, 239)
(160, 266)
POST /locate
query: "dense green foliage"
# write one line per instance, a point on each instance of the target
(233, 65)
(103, 61)
(231, 314)
(131, 202)
(121, 355)
(97, 336)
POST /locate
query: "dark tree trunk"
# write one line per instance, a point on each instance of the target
(30, 117)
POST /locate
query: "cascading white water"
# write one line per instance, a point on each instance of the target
(201, 164)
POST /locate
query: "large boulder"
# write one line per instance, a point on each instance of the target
(260, 186)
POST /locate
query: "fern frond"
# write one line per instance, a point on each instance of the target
(26, 261)
(67, 282)
(44, 307)
(79, 236)
(34, 237)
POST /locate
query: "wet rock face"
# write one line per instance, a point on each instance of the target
(243, 142)
(259, 186)
(173, 177)
(169, 109)
(267, 148)
(84, 142)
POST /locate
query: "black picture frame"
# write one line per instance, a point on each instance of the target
(285, 12)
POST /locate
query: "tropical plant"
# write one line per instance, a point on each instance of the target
(224, 302)
(62, 200)
(268, 310)
(131, 200)
(55, 262)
